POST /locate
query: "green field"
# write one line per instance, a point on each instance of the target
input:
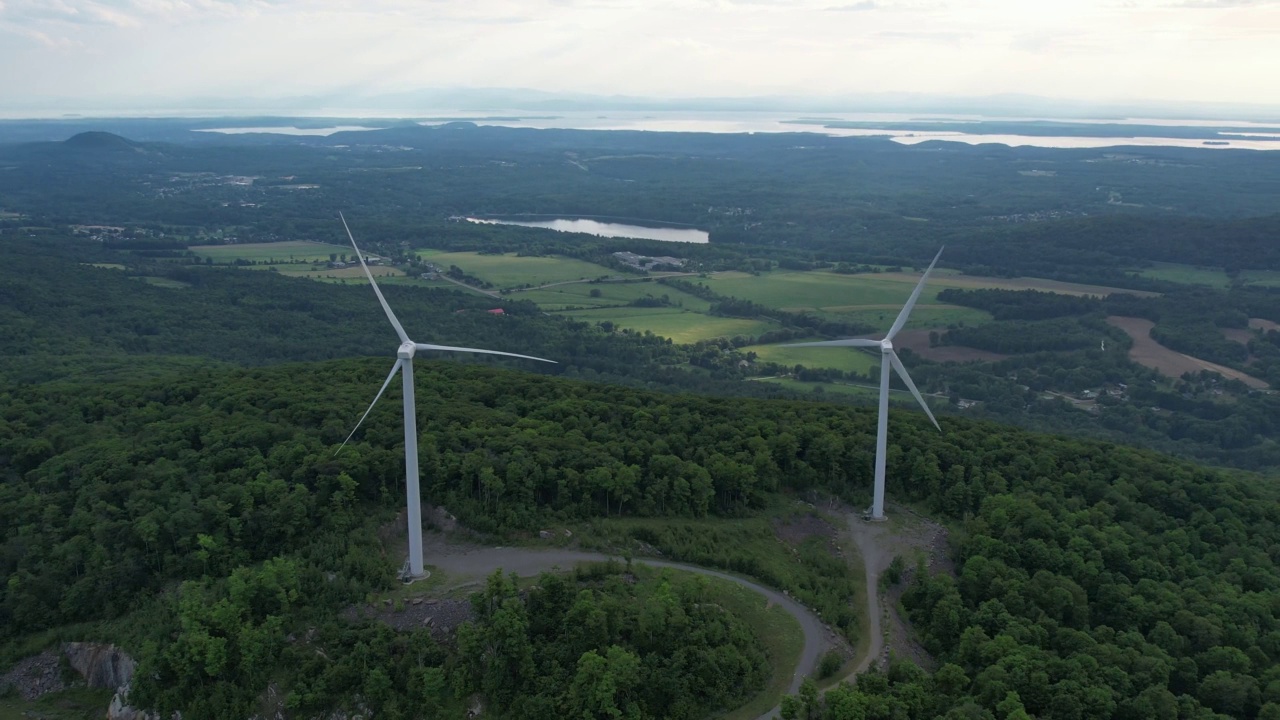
(1265, 278)
(923, 317)
(839, 358)
(1187, 274)
(578, 295)
(162, 282)
(813, 290)
(682, 326)
(289, 251)
(509, 271)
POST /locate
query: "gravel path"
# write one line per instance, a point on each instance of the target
(477, 562)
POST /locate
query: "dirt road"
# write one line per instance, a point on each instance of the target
(474, 563)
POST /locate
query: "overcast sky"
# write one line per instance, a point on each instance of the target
(1182, 50)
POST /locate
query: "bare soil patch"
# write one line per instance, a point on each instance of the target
(918, 342)
(441, 616)
(1152, 354)
(1261, 324)
(795, 530)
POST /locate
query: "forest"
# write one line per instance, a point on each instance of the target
(168, 480)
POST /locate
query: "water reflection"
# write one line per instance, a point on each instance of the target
(607, 229)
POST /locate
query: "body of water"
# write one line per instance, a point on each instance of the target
(323, 131)
(607, 229)
(752, 122)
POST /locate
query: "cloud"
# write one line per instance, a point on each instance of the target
(862, 6)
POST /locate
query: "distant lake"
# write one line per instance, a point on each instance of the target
(607, 229)
(286, 130)
(773, 122)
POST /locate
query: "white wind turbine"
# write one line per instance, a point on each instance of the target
(887, 357)
(404, 361)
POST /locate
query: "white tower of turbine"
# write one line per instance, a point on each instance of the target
(887, 357)
(404, 362)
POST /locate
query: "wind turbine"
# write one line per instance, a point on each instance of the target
(887, 357)
(404, 362)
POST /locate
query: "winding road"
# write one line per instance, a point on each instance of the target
(477, 562)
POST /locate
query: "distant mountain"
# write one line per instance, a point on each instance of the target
(98, 141)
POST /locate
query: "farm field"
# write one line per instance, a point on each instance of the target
(510, 271)
(291, 250)
(162, 282)
(879, 293)
(1265, 278)
(578, 295)
(838, 358)
(1152, 354)
(923, 317)
(1187, 274)
(682, 326)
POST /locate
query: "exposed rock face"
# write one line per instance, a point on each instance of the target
(34, 676)
(102, 666)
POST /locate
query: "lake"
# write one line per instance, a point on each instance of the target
(607, 229)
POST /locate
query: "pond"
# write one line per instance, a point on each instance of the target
(607, 229)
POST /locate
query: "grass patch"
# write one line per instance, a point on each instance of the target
(839, 358)
(777, 629)
(826, 292)
(1265, 278)
(1187, 274)
(288, 251)
(73, 704)
(162, 282)
(510, 271)
(812, 290)
(611, 294)
(747, 546)
(681, 326)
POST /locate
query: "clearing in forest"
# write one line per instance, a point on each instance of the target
(682, 326)
(1152, 354)
(282, 252)
(509, 270)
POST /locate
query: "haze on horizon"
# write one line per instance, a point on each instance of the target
(105, 53)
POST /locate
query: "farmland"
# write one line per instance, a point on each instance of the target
(276, 252)
(1187, 274)
(511, 271)
(607, 294)
(839, 358)
(682, 326)
(1152, 354)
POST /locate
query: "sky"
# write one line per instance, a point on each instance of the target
(92, 52)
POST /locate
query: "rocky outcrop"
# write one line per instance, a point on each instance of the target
(101, 666)
(34, 676)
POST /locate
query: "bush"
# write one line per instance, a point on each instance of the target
(830, 664)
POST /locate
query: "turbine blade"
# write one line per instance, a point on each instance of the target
(390, 375)
(850, 342)
(404, 338)
(450, 348)
(911, 301)
(902, 373)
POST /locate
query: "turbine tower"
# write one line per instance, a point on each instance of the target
(404, 362)
(887, 357)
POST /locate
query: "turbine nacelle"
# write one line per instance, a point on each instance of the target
(886, 345)
(406, 351)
